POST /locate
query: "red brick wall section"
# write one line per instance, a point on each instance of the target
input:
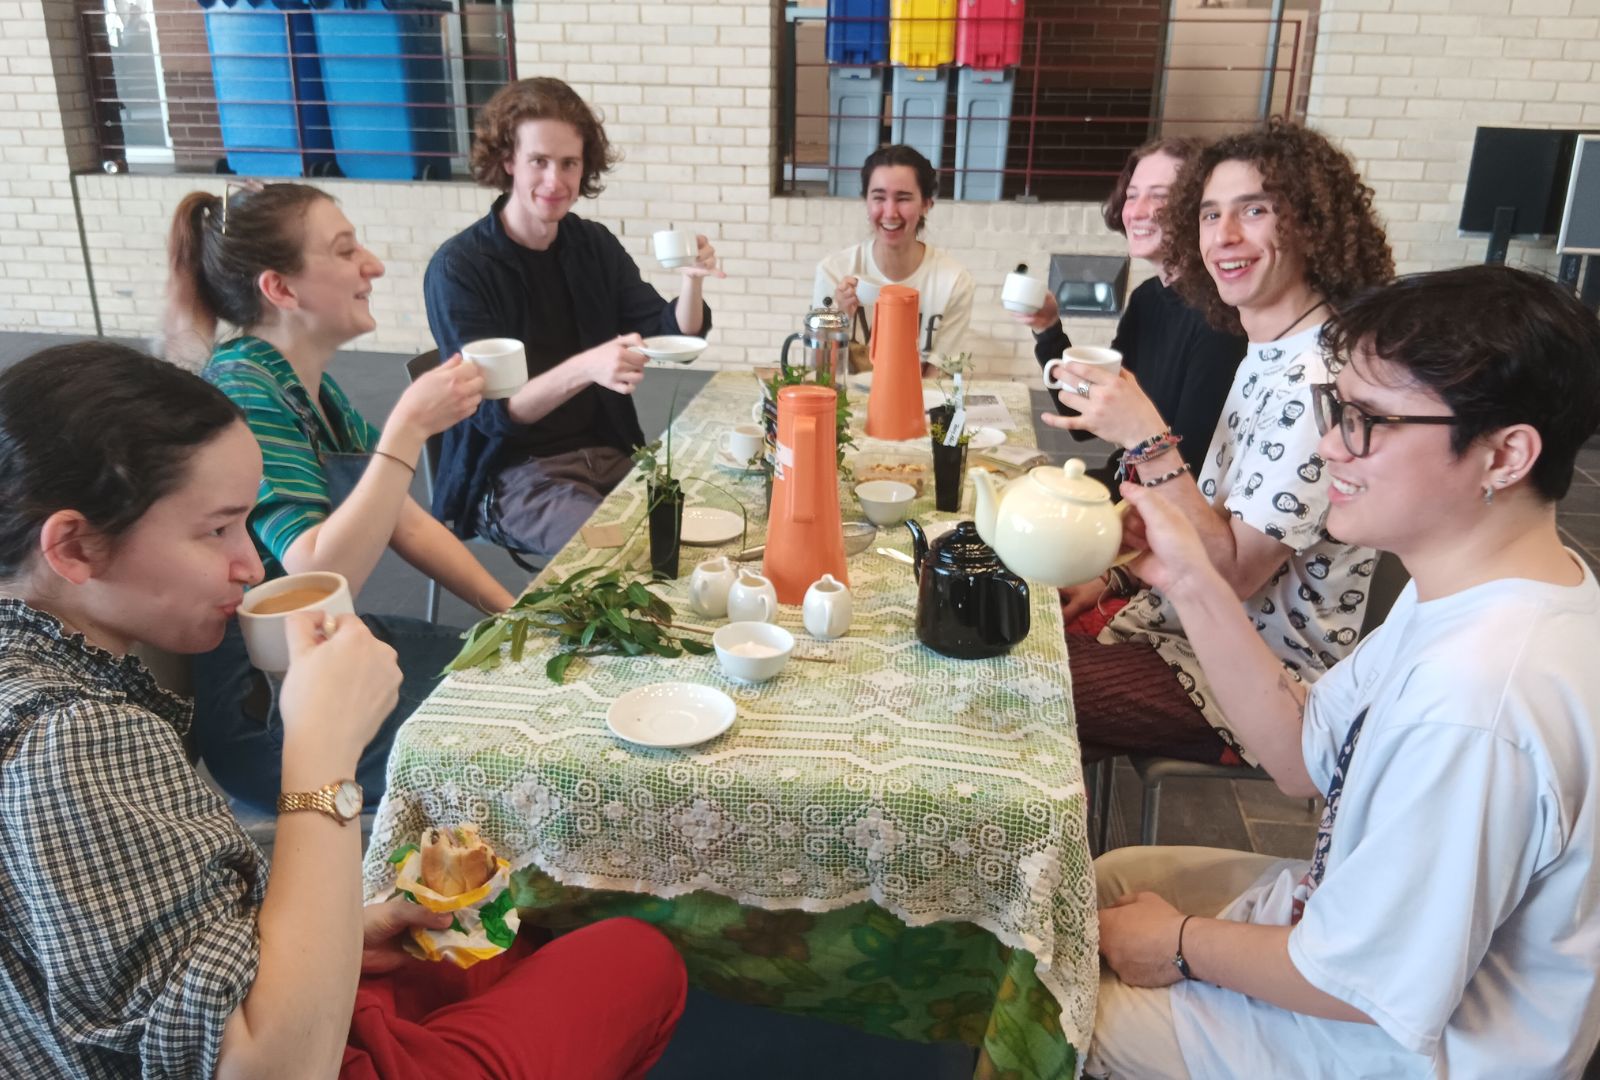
(1095, 59)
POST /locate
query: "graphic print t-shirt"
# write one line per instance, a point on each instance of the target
(1264, 469)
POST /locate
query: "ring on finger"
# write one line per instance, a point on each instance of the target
(1082, 389)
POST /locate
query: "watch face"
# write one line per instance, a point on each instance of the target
(347, 799)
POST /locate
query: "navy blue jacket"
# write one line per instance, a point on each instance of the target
(474, 289)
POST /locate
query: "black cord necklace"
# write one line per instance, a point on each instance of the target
(1281, 334)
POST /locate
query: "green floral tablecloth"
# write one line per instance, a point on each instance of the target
(894, 840)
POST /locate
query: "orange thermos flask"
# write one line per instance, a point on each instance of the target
(804, 537)
(894, 406)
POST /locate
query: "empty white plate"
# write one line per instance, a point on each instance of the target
(706, 525)
(985, 437)
(673, 348)
(670, 714)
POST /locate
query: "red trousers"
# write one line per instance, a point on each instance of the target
(598, 1003)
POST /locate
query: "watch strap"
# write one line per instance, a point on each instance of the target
(1178, 960)
(321, 800)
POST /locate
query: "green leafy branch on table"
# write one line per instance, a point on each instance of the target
(590, 612)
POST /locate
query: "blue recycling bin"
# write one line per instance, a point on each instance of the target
(858, 31)
(269, 86)
(387, 89)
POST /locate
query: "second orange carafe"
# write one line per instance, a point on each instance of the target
(894, 406)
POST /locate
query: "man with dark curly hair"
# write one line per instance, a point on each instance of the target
(1267, 230)
(528, 470)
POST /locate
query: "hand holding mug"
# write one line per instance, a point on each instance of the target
(1048, 315)
(441, 398)
(340, 686)
(705, 261)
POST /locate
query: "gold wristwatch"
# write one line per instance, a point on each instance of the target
(340, 800)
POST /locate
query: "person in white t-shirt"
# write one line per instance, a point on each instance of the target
(1267, 230)
(899, 184)
(1448, 922)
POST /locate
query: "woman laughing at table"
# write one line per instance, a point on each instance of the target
(282, 263)
(142, 935)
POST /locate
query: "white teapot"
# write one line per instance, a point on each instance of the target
(1055, 525)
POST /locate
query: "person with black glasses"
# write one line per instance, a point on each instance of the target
(1446, 921)
(1268, 231)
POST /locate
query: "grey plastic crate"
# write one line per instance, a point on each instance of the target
(921, 96)
(983, 127)
(855, 123)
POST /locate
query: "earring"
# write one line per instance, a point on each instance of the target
(1488, 494)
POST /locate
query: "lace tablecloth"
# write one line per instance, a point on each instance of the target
(941, 790)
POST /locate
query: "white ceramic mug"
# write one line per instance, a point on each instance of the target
(743, 442)
(504, 364)
(827, 608)
(1023, 293)
(709, 585)
(265, 638)
(675, 248)
(752, 599)
(867, 295)
(1107, 360)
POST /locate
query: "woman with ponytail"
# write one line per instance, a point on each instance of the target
(282, 265)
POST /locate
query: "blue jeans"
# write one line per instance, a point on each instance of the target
(240, 734)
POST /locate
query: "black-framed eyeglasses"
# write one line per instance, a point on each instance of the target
(1355, 424)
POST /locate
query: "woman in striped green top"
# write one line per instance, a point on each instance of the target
(283, 264)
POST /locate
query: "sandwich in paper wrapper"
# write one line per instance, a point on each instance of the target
(455, 870)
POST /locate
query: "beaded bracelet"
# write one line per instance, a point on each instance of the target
(1158, 443)
(1183, 467)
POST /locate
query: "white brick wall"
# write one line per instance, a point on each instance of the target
(689, 92)
(1404, 84)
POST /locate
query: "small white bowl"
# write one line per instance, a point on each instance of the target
(885, 502)
(776, 642)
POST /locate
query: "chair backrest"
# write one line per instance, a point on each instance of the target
(418, 366)
(1388, 578)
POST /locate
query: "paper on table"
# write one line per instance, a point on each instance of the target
(987, 410)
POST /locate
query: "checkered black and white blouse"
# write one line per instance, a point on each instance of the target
(128, 894)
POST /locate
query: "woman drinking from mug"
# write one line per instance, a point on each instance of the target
(282, 263)
(899, 184)
(126, 491)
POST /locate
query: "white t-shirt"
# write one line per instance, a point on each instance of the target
(1263, 468)
(1459, 907)
(944, 289)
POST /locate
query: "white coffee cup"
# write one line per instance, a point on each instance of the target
(743, 442)
(867, 294)
(827, 608)
(1107, 360)
(709, 585)
(752, 599)
(1023, 293)
(675, 248)
(265, 637)
(504, 364)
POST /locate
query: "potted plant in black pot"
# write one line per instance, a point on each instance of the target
(663, 504)
(949, 455)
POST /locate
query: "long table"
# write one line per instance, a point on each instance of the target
(894, 840)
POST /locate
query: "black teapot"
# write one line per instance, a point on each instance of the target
(968, 604)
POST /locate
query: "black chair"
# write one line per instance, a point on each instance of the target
(1388, 578)
(417, 367)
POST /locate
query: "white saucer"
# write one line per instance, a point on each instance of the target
(706, 525)
(673, 348)
(729, 463)
(985, 437)
(670, 714)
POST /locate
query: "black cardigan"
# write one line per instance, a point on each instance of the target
(474, 289)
